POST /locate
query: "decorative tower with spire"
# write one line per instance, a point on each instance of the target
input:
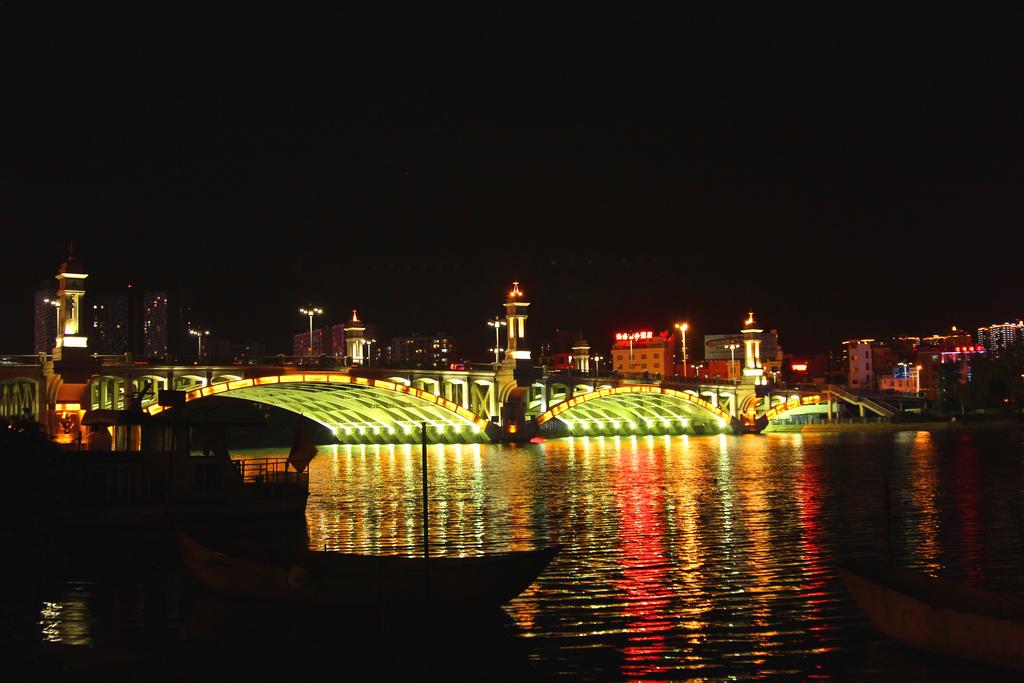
(70, 290)
(581, 355)
(752, 368)
(515, 311)
(355, 341)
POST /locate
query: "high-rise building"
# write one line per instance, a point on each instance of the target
(861, 374)
(165, 324)
(111, 323)
(423, 351)
(321, 343)
(45, 337)
(868, 360)
(996, 338)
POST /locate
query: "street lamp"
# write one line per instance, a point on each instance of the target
(732, 359)
(597, 366)
(199, 334)
(497, 324)
(682, 327)
(311, 310)
(369, 351)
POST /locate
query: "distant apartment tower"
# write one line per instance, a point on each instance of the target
(166, 317)
(861, 373)
(45, 330)
(423, 351)
(329, 341)
(868, 360)
(321, 343)
(111, 324)
(998, 337)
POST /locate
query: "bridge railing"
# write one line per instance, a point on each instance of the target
(269, 471)
(25, 359)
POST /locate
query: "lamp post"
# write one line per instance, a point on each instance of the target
(199, 334)
(369, 351)
(732, 358)
(497, 324)
(311, 310)
(917, 381)
(597, 366)
(682, 327)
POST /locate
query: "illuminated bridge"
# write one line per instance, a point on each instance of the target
(507, 400)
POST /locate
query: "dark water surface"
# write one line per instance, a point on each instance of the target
(684, 557)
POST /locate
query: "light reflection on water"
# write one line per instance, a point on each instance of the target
(684, 557)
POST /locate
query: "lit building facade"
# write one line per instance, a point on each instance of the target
(111, 323)
(999, 337)
(423, 351)
(643, 351)
(45, 328)
(166, 316)
(301, 345)
(947, 342)
(862, 367)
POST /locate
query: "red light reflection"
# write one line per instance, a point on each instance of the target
(640, 499)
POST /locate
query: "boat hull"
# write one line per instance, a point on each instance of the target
(941, 617)
(334, 579)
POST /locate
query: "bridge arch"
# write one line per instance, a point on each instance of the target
(19, 396)
(358, 409)
(788, 407)
(634, 409)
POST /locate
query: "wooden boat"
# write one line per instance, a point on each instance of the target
(940, 616)
(336, 579)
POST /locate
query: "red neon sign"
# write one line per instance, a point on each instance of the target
(799, 367)
(633, 336)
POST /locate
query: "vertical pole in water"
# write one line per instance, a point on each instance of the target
(426, 544)
(888, 523)
(423, 468)
(426, 519)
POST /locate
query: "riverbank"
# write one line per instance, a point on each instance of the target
(891, 426)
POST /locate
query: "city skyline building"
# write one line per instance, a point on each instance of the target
(45, 323)
(997, 337)
(641, 351)
(165, 324)
(111, 323)
(423, 351)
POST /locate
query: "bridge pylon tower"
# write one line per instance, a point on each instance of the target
(753, 370)
(71, 344)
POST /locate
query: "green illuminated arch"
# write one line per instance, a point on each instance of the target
(359, 409)
(635, 409)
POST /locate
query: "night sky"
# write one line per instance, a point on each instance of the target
(844, 173)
